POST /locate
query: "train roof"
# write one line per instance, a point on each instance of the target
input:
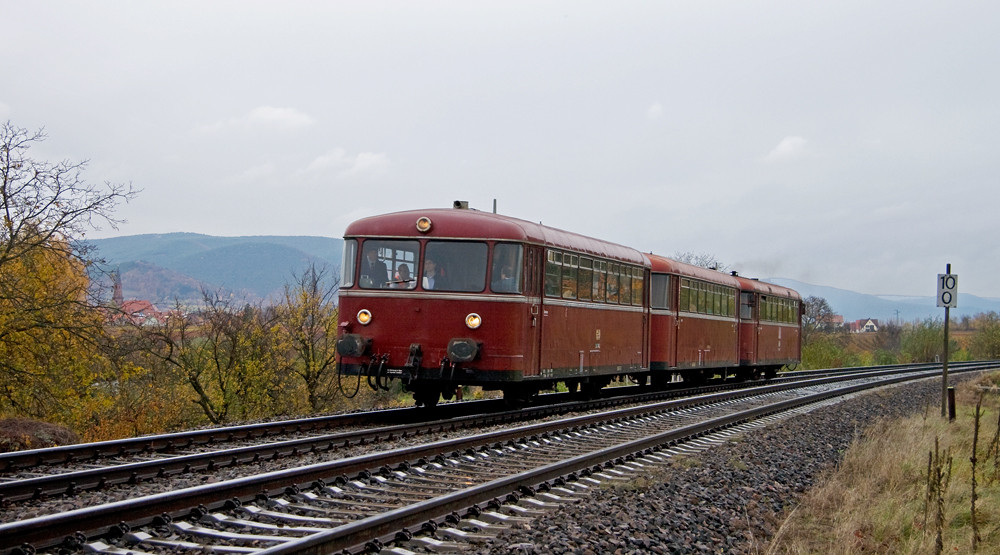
(765, 288)
(670, 266)
(663, 264)
(463, 223)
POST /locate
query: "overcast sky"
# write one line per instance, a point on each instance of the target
(852, 144)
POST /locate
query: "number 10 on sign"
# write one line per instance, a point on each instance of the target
(947, 293)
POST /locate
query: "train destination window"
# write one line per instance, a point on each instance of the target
(350, 263)
(506, 270)
(455, 266)
(388, 264)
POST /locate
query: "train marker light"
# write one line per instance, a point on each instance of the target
(364, 317)
(473, 321)
(423, 224)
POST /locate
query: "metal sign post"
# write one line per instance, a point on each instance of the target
(947, 296)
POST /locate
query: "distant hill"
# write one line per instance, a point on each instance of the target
(167, 267)
(855, 306)
(163, 268)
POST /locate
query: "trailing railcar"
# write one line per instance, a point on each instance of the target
(705, 323)
(694, 330)
(447, 298)
(770, 328)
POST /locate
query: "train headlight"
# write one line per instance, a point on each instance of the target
(423, 224)
(473, 321)
(364, 317)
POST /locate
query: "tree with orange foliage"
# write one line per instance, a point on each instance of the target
(49, 327)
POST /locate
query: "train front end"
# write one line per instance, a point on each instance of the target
(434, 298)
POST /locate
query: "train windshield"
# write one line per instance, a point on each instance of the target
(459, 266)
(454, 266)
(388, 264)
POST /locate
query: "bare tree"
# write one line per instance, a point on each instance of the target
(48, 206)
(309, 316)
(227, 354)
(818, 316)
(704, 260)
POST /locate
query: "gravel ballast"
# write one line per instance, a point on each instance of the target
(729, 499)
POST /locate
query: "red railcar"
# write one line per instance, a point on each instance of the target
(705, 323)
(444, 298)
(770, 326)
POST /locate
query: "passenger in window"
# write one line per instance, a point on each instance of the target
(430, 274)
(504, 277)
(375, 269)
(507, 282)
(404, 280)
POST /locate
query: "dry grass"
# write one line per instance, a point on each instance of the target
(881, 500)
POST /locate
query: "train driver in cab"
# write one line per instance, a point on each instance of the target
(375, 269)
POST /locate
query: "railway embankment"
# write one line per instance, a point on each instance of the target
(738, 497)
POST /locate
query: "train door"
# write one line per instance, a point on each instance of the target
(748, 327)
(533, 289)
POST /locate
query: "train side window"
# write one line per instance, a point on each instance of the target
(553, 280)
(350, 263)
(659, 291)
(600, 279)
(570, 262)
(612, 286)
(506, 271)
(586, 279)
(637, 285)
(625, 285)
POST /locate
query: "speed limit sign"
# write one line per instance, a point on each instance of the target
(947, 290)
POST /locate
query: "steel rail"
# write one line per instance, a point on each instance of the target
(70, 483)
(41, 530)
(29, 458)
(165, 443)
(353, 537)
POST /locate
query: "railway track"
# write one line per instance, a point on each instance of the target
(139, 448)
(369, 499)
(67, 470)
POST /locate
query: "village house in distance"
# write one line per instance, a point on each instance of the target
(138, 312)
(865, 325)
